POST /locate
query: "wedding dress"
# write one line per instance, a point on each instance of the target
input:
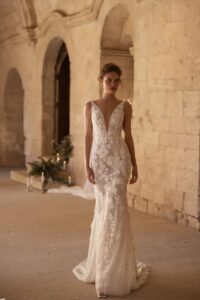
(110, 262)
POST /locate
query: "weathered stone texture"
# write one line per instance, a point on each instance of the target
(167, 107)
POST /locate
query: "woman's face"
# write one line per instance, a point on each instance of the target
(110, 82)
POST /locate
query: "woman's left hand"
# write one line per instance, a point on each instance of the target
(134, 175)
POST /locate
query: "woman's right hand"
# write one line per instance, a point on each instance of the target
(90, 175)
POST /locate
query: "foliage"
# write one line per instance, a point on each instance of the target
(50, 167)
(65, 149)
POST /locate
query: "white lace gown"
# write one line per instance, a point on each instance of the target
(110, 262)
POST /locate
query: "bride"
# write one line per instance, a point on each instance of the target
(109, 162)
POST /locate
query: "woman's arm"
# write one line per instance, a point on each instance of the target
(88, 141)
(129, 140)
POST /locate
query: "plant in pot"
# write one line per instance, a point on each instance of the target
(49, 168)
(46, 168)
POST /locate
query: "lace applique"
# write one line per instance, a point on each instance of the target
(111, 258)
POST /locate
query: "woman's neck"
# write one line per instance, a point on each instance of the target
(108, 97)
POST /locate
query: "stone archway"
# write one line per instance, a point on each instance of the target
(56, 94)
(13, 115)
(117, 46)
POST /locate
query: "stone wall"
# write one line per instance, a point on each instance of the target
(161, 78)
(167, 109)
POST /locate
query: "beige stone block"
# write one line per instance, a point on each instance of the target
(167, 212)
(168, 177)
(152, 172)
(140, 204)
(174, 198)
(21, 177)
(167, 84)
(147, 191)
(187, 141)
(140, 103)
(158, 41)
(136, 109)
(193, 223)
(191, 82)
(174, 66)
(187, 180)
(174, 104)
(137, 122)
(160, 13)
(176, 42)
(139, 151)
(141, 52)
(174, 157)
(142, 25)
(150, 137)
(138, 136)
(192, 160)
(191, 204)
(157, 103)
(155, 67)
(160, 124)
(178, 11)
(142, 171)
(147, 121)
(140, 73)
(168, 139)
(191, 104)
(192, 126)
(153, 208)
(154, 152)
(159, 195)
(181, 219)
(177, 125)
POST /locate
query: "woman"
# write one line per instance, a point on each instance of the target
(110, 263)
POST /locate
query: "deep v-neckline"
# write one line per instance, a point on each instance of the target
(107, 128)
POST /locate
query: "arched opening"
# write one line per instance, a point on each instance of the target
(56, 95)
(62, 105)
(13, 131)
(117, 45)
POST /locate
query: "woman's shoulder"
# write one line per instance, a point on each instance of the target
(127, 108)
(89, 102)
(88, 105)
(127, 104)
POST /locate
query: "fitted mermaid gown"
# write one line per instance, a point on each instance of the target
(110, 262)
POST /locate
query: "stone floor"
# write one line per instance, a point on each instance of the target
(43, 236)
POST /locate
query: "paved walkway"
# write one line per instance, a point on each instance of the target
(43, 237)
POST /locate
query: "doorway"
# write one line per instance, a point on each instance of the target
(56, 95)
(62, 103)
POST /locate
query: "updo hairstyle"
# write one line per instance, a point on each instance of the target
(109, 67)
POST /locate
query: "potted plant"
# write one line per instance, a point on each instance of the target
(49, 168)
(46, 168)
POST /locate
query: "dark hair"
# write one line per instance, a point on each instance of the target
(110, 67)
